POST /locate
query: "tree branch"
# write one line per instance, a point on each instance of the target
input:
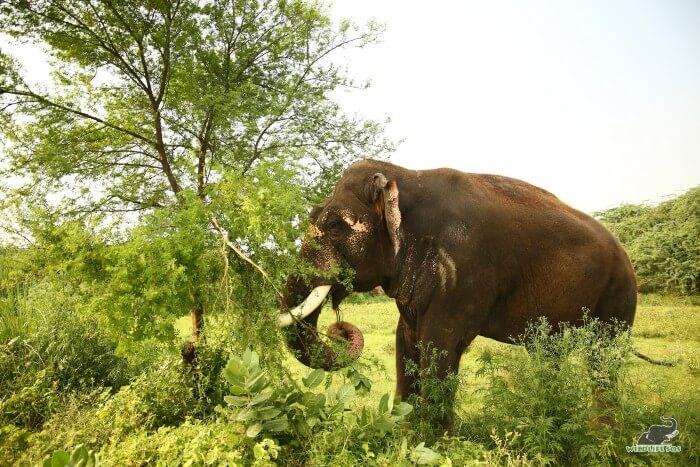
(227, 241)
(47, 102)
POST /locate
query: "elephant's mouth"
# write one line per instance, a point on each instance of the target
(343, 342)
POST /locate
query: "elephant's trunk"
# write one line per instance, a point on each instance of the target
(302, 334)
(673, 426)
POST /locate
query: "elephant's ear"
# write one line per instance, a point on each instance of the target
(385, 196)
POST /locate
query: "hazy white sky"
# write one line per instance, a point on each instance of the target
(596, 101)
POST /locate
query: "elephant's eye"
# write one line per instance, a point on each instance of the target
(336, 227)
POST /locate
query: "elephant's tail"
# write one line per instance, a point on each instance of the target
(651, 360)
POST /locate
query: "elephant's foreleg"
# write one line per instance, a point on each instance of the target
(406, 351)
(441, 350)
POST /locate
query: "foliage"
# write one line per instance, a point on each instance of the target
(160, 119)
(293, 413)
(162, 417)
(80, 457)
(186, 93)
(663, 242)
(57, 354)
(538, 400)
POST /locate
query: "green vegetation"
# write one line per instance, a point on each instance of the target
(515, 406)
(166, 127)
(663, 242)
(172, 160)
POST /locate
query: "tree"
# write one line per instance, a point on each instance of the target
(663, 242)
(181, 104)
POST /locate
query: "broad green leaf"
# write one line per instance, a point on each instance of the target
(402, 409)
(267, 413)
(79, 455)
(278, 424)
(245, 414)
(237, 390)
(312, 421)
(262, 396)
(236, 401)
(256, 384)
(293, 397)
(250, 359)
(253, 430)
(345, 393)
(58, 459)
(384, 403)
(258, 451)
(384, 425)
(422, 455)
(314, 378)
(313, 400)
(235, 372)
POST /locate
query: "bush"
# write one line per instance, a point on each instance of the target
(663, 242)
(556, 401)
(157, 398)
(62, 354)
(313, 419)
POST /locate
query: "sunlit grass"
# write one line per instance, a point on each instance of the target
(665, 328)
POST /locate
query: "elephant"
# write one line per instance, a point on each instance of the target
(462, 254)
(660, 434)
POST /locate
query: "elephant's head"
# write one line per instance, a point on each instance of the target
(357, 228)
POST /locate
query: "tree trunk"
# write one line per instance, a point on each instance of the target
(197, 322)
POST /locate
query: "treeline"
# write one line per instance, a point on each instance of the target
(662, 241)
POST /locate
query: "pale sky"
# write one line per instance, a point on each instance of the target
(596, 101)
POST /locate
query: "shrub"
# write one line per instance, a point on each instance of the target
(157, 398)
(663, 242)
(61, 355)
(311, 417)
(540, 399)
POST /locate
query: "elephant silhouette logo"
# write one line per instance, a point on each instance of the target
(658, 438)
(660, 434)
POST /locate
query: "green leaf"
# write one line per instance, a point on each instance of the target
(314, 378)
(235, 372)
(236, 401)
(402, 409)
(268, 413)
(345, 393)
(254, 429)
(247, 413)
(59, 458)
(312, 421)
(237, 390)
(250, 359)
(256, 383)
(278, 424)
(384, 425)
(313, 400)
(80, 454)
(258, 452)
(422, 455)
(263, 396)
(384, 403)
